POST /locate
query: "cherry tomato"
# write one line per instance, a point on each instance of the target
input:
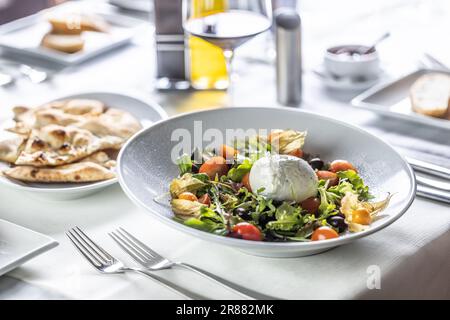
(247, 231)
(297, 153)
(227, 152)
(341, 165)
(246, 181)
(361, 216)
(188, 196)
(328, 175)
(324, 233)
(214, 166)
(205, 199)
(311, 204)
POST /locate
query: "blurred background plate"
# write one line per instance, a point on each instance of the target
(143, 109)
(23, 36)
(134, 5)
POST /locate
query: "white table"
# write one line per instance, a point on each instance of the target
(412, 254)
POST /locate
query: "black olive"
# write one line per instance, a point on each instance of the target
(316, 163)
(277, 203)
(265, 219)
(242, 213)
(195, 168)
(338, 223)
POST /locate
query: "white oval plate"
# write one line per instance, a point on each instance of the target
(145, 168)
(145, 110)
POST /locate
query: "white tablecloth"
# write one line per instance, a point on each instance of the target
(412, 254)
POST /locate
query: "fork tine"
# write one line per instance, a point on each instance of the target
(141, 244)
(127, 248)
(88, 249)
(99, 250)
(80, 247)
(136, 246)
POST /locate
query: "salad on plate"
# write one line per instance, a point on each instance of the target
(267, 188)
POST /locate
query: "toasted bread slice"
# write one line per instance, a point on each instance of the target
(73, 23)
(430, 95)
(63, 43)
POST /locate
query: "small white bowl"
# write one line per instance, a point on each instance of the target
(347, 65)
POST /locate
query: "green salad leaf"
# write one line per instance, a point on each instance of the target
(208, 220)
(327, 205)
(288, 218)
(237, 173)
(184, 164)
(357, 182)
(203, 177)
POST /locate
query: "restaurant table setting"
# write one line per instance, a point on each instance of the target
(103, 225)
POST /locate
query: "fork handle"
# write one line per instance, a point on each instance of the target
(169, 285)
(244, 292)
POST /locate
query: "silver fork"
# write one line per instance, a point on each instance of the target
(105, 263)
(151, 260)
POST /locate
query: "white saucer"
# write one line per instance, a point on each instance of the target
(346, 83)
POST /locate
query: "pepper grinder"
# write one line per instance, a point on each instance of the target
(289, 57)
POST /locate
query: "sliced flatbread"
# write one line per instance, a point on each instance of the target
(63, 43)
(101, 158)
(11, 148)
(75, 172)
(87, 114)
(56, 145)
(430, 95)
(113, 122)
(83, 107)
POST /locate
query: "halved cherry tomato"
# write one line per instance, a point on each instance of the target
(227, 152)
(297, 153)
(205, 199)
(341, 165)
(246, 181)
(328, 175)
(311, 204)
(248, 231)
(324, 233)
(214, 166)
(188, 196)
(361, 216)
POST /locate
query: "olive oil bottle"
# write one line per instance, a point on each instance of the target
(206, 61)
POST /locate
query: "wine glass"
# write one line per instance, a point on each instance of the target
(227, 24)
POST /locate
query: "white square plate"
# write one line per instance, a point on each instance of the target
(19, 244)
(393, 100)
(23, 36)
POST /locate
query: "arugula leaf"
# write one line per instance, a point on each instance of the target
(184, 164)
(203, 177)
(357, 182)
(206, 225)
(327, 202)
(237, 173)
(288, 218)
(342, 188)
(208, 220)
